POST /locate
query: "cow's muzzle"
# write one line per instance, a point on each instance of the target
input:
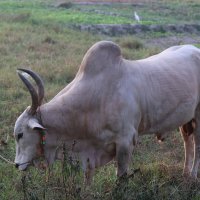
(22, 166)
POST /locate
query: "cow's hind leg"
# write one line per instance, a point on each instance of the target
(196, 146)
(188, 146)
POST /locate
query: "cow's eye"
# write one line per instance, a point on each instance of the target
(20, 135)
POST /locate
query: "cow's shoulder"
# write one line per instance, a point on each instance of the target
(102, 55)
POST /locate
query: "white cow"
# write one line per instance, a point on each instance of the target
(110, 101)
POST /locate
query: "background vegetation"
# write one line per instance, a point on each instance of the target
(44, 12)
(35, 34)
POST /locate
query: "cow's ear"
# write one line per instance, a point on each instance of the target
(34, 124)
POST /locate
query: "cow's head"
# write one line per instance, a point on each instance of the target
(27, 126)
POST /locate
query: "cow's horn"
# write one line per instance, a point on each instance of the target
(33, 93)
(39, 83)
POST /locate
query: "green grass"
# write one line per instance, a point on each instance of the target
(37, 12)
(33, 35)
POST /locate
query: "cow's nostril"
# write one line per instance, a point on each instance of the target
(163, 139)
(16, 165)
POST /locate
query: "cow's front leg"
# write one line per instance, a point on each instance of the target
(88, 165)
(189, 151)
(124, 149)
(89, 173)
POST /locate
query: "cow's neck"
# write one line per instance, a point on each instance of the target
(55, 120)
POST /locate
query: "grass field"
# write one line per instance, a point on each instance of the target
(34, 34)
(36, 12)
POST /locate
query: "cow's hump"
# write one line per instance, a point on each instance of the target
(101, 55)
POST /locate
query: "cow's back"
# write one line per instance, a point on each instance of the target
(170, 86)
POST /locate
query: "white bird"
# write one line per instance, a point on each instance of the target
(137, 18)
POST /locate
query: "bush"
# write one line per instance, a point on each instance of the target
(130, 43)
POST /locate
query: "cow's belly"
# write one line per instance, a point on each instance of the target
(97, 156)
(91, 155)
(168, 121)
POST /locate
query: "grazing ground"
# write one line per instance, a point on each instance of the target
(35, 34)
